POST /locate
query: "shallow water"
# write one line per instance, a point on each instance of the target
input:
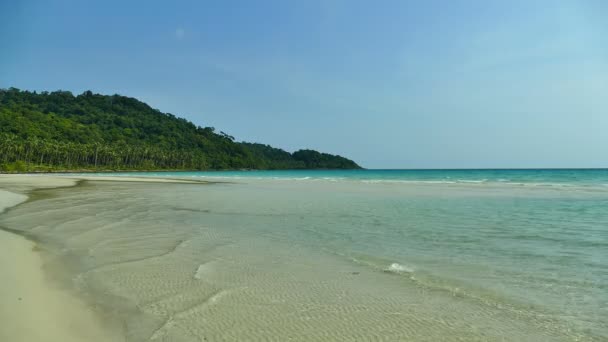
(273, 256)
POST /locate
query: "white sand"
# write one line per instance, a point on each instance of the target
(32, 308)
(9, 199)
(25, 183)
(138, 179)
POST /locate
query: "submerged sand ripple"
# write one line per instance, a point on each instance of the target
(195, 277)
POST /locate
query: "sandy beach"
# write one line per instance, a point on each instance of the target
(33, 307)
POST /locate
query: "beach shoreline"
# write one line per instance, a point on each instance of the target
(34, 306)
(35, 309)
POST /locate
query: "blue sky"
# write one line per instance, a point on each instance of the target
(391, 84)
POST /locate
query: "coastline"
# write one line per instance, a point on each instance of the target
(33, 307)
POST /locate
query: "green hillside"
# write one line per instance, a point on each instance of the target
(52, 131)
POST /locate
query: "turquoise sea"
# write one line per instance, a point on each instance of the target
(558, 177)
(487, 255)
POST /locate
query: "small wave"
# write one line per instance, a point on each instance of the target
(198, 274)
(397, 181)
(333, 179)
(204, 270)
(398, 268)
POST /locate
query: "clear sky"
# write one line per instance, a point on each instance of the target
(391, 84)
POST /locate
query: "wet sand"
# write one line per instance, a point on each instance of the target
(33, 307)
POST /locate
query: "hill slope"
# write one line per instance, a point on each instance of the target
(60, 131)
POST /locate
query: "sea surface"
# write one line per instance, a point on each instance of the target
(363, 255)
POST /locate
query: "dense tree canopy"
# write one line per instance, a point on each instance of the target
(60, 131)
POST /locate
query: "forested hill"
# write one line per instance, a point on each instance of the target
(60, 131)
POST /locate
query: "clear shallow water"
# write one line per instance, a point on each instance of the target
(558, 177)
(339, 255)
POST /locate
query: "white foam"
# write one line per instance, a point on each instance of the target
(396, 181)
(398, 268)
(204, 270)
(475, 181)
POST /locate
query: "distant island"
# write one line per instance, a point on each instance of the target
(57, 131)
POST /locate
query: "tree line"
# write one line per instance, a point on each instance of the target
(59, 131)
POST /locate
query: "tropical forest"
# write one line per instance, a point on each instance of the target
(60, 131)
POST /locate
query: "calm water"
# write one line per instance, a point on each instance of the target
(487, 255)
(559, 177)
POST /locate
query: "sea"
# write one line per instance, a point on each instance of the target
(344, 255)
